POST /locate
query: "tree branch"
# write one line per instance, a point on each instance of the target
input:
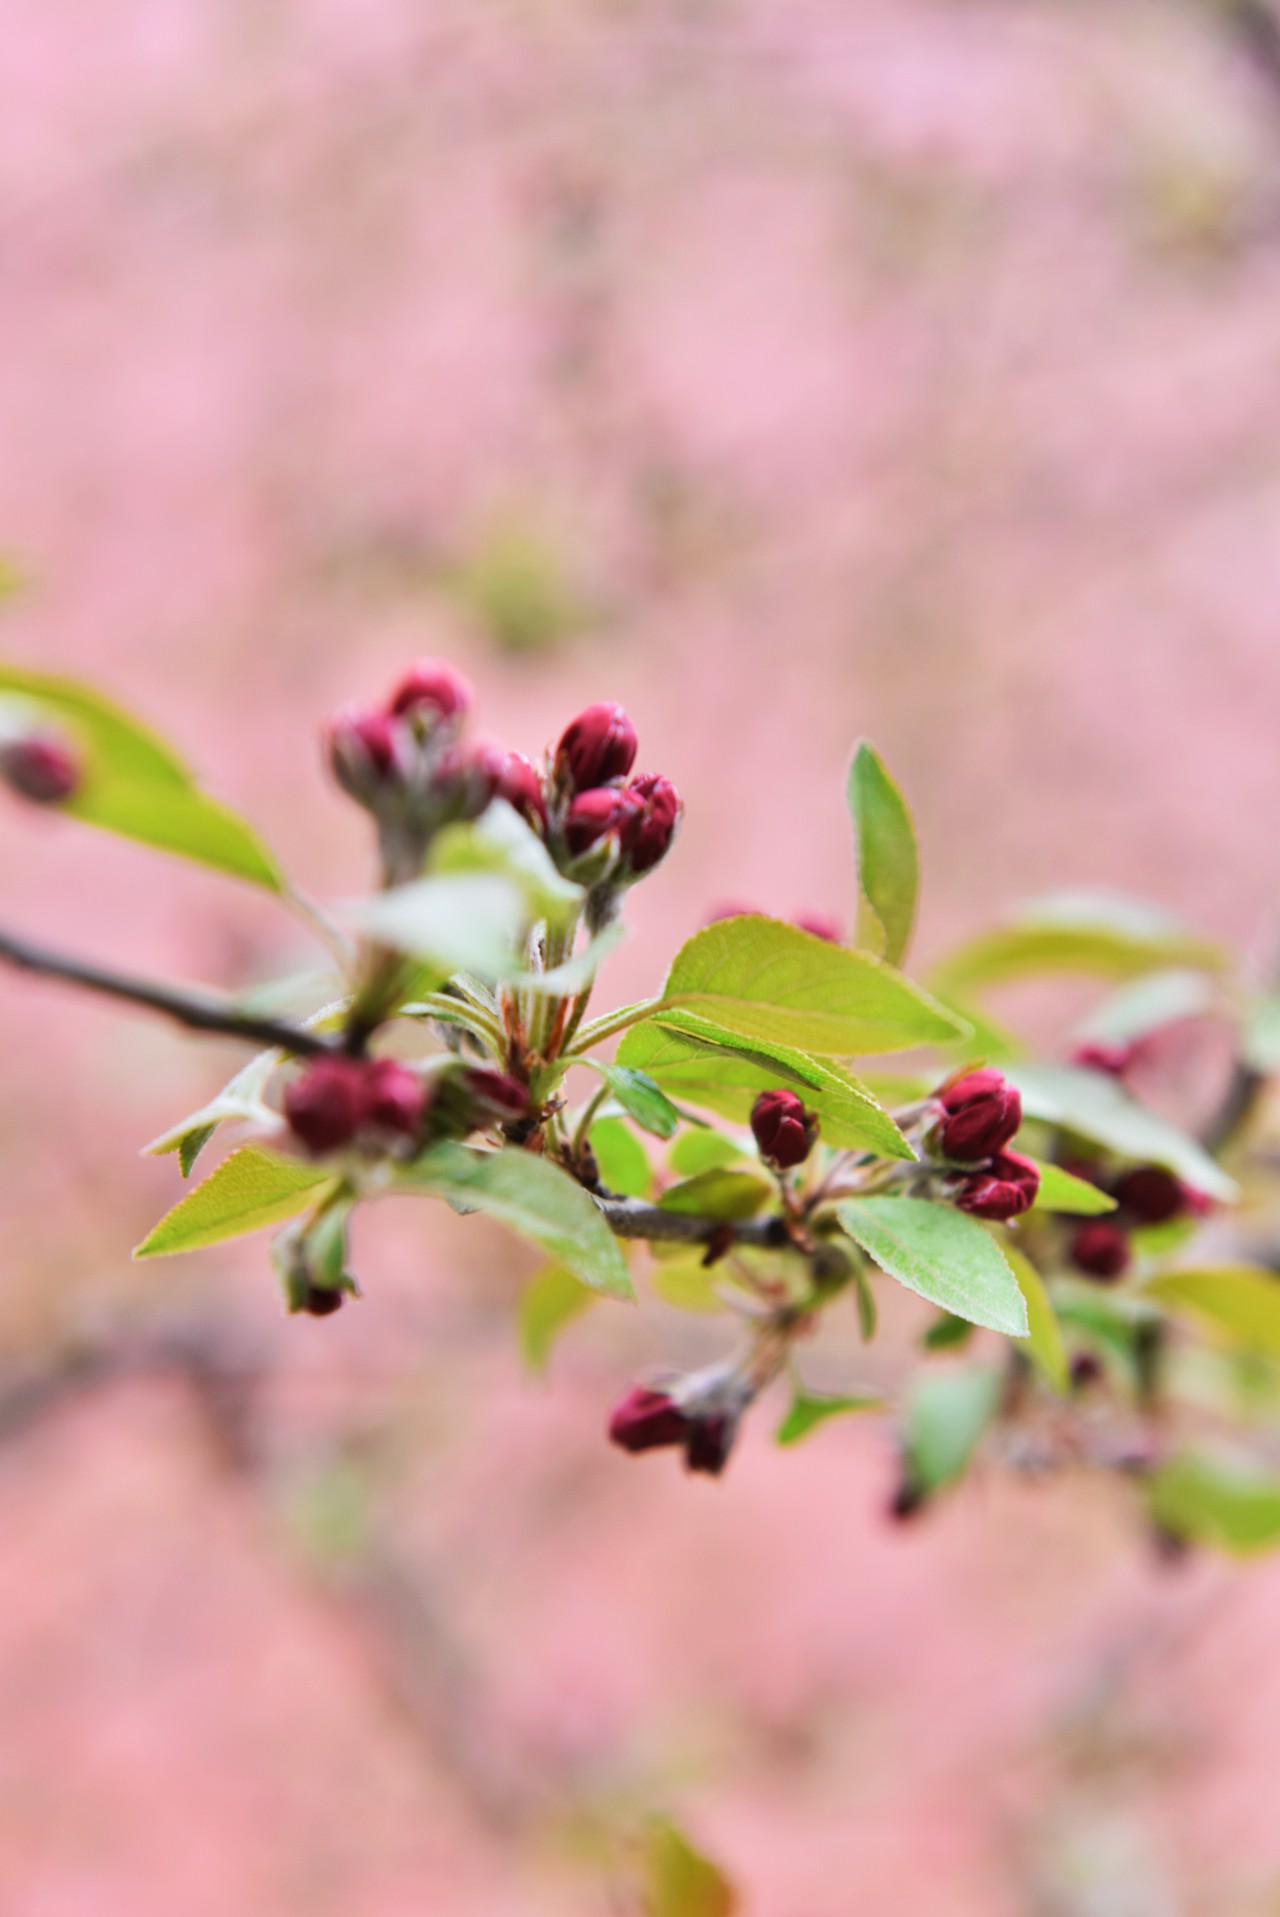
(632, 1218)
(197, 1011)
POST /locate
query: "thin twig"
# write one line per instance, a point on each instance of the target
(197, 1011)
(631, 1218)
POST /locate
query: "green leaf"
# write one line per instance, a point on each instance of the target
(809, 1410)
(1048, 1352)
(868, 1316)
(503, 845)
(688, 1284)
(1149, 1003)
(679, 1881)
(1063, 1191)
(725, 1195)
(133, 783)
(945, 1416)
(250, 1189)
(530, 1196)
(1093, 1105)
(552, 1299)
(242, 1098)
(1216, 1500)
(459, 922)
(700, 1062)
(700, 1149)
(1240, 1300)
(621, 1159)
(191, 1144)
(766, 980)
(888, 864)
(1075, 932)
(941, 1253)
(947, 1333)
(640, 1098)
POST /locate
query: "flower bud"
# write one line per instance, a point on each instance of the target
(710, 1441)
(982, 1111)
(647, 1419)
(784, 1131)
(495, 1096)
(819, 926)
(1086, 1370)
(465, 779)
(599, 745)
(40, 768)
(363, 748)
(430, 689)
(1151, 1195)
(520, 784)
(647, 832)
(325, 1107)
(594, 815)
(1100, 1248)
(395, 1098)
(1005, 1190)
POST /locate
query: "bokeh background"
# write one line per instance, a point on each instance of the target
(788, 370)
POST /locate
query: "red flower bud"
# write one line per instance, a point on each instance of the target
(466, 777)
(646, 1419)
(983, 1111)
(431, 686)
(1100, 1248)
(40, 768)
(784, 1131)
(326, 1105)
(710, 1441)
(363, 749)
(495, 1095)
(820, 927)
(520, 784)
(593, 815)
(395, 1099)
(599, 745)
(317, 1301)
(1005, 1190)
(1151, 1195)
(648, 831)
(1103, 1056)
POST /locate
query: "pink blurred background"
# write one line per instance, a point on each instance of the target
(789, 372)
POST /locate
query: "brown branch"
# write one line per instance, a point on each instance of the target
(197, 1011)
(631, 1218)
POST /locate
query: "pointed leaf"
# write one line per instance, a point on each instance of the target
(640, 1098)
(888, 863)
(1063, 1191)
(700, 1149)
(1091, 933)
(552, 1299)
(530, 1196)
(766, 980)
(1242, 1301)
(250, 1189)
(679, 1881)
(810, 1409)
(133, 783)
(621, 1159)
(1048, 1352)
(945, 1416)
(943, 1254)
(725, 1195)
(1094, 1105)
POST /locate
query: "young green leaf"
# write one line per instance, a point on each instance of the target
(888, 863)
(766, 980)
(1063, 1191)
(701, 1063)
(1048, 1352)
(679, 1881)
(640, 1098)
(133, 783)
(1226, 1502)
(1094, 1105)
(1239, 1300)
(687, 1283)
(1089, 933)
(945, 1416)
(621, 1159)
(552, 1299)
(941, 1253)
(250, 1189)
(700, 1149)
(242, 1098)
(726, 1195)
(530, 1196)
(459, 922)
(810, 1409)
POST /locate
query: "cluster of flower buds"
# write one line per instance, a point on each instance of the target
(407, 764)
(339, 1102)
(606, 826)
(40, 767)
(785, 1133)
(1145, 1195)
(699, 1413)
(975, 1118)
